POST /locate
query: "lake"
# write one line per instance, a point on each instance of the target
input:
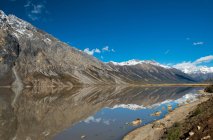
(91, 113)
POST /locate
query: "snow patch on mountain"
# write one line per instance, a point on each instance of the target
(136, 62)
(21, 27)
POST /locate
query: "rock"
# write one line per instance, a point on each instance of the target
(198, 127)
(188, 101)
(83, 137)
(136, 122)
(169, 108)
(158, 124)
(206, 137)
(156, 113)
(191, 133)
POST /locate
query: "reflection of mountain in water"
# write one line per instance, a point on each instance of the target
(40, 114)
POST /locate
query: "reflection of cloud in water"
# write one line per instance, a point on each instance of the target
(129, 106)
(191, 97)
(159, 104)
(188, 97)
(92, 119)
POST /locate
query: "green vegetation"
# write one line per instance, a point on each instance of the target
(174, 132)
(209, 89)
(197, 111)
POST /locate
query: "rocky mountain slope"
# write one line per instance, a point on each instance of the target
(150, 72)
(31, 57)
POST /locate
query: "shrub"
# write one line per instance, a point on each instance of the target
(209, 89)
(173, 133)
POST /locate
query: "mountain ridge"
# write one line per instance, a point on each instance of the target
(39, 59)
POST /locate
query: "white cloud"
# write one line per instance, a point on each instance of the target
(91, 52)
(107, 49)
(190, 67)
(204, 59)
(198, 43)
(96, 50)
(35, 9)
(185, 66)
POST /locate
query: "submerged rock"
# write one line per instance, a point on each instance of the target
(156, 113)
(169, 107)
(136, 122)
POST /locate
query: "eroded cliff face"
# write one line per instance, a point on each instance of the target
(9, 51)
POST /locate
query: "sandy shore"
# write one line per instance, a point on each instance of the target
(155, 130)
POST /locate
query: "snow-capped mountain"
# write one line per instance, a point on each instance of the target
(136, 62)
(198, 72)
(202, 73)
(149, 71)
(20, 27)
(193, 69)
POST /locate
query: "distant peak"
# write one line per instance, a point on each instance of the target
(2, 15)
(136, 62)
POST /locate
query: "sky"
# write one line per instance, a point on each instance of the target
(167, 31)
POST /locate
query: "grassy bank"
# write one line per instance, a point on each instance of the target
(197, 126)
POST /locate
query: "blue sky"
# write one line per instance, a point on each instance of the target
(168, 31)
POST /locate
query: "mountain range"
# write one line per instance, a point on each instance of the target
(198, 73)
(32, 57)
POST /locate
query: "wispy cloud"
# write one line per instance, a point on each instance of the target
(166, 52)
(35, 9)
(91, 52)
(204, 59)
(198, 43)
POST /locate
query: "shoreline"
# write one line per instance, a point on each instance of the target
(156, 129)
(132, 85)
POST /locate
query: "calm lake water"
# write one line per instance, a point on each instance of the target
(90, 113)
